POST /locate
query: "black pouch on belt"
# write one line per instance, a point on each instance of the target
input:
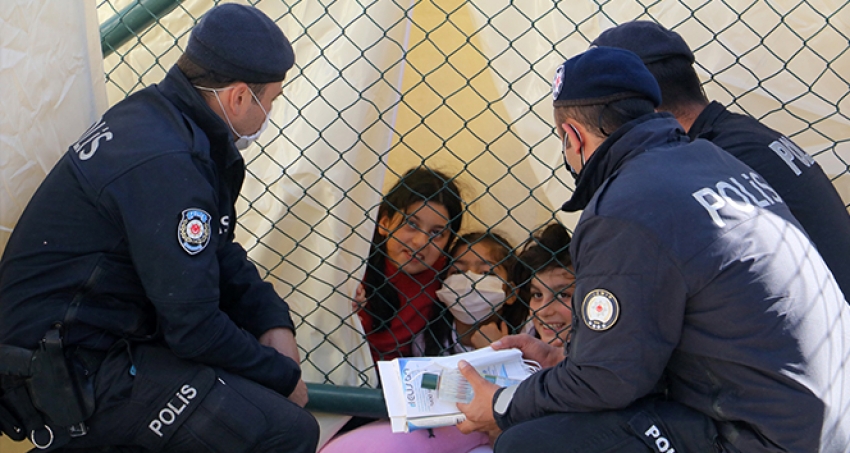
(56, 387)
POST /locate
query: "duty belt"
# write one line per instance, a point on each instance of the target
(44, 381)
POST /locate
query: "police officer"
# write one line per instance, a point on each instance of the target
(794, 174)
(128, 314)
(705, 320)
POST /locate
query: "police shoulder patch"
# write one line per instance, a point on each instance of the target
(600, 309)
(194, 230)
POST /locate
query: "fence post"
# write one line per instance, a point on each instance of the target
(119, 28)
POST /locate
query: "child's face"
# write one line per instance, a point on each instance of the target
(479, 259)
(417, 237)
(551, 296)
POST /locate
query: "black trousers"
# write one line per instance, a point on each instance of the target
(149, 400)
(649, 425)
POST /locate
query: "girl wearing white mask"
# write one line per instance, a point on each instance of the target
(478, 296)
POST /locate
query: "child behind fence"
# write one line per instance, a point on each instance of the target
(478, 295)
(417, 223)
(545, 281)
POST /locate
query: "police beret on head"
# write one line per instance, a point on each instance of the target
(604, 74)
(242, 43)
(649, 40)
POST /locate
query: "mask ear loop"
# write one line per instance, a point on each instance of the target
(580, 145)
(215, 91)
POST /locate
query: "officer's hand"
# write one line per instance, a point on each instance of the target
(283, 340)
(532, 349)
(299, 395)
(479, 411)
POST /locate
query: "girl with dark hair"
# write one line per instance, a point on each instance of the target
(545, 281)
(479, 298)
(417, 223)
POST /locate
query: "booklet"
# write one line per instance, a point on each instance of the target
(422, 392)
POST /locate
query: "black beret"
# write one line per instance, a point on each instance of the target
(651, 41)
(604, 74)
(242, 43)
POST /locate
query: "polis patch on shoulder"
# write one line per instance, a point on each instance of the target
(194, 230)
(600, 309)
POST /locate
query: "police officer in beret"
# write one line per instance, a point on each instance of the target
(129, 316)
(795, 175)
(705, 320)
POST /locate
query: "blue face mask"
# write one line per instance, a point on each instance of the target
(242, 141)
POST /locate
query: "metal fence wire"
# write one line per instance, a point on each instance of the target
(461, 86)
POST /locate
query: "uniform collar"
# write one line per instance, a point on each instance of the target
(630, 140)
(177, 89)
(706, 119)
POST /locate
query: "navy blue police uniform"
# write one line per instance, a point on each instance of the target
(796, 176)
(129, 245)
(691, 272)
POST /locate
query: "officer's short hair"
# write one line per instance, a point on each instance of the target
(203, 77)
(679, 82)
(604, 119)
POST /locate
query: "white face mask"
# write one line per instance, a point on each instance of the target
(472, 297)
(242, 141)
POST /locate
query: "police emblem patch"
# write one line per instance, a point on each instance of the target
(600, 309)
(194, 230)
(558, 83)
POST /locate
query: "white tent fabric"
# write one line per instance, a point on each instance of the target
(51, 89)
(314, 216)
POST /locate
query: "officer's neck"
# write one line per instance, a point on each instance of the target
(686, 115)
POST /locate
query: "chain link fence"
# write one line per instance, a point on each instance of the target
(462, 86)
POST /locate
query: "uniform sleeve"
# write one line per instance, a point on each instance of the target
(156, 201)
(623, 361)
(251, 302)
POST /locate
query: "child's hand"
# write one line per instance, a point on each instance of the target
(488, 333)
(359, 298)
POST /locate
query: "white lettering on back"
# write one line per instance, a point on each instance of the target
(90, 141)
(788, 151)
(735, 195)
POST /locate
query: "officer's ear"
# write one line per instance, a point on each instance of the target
(572, 136)
(240, 99)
